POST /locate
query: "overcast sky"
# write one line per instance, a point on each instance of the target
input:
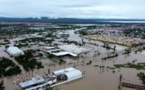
(73, 8)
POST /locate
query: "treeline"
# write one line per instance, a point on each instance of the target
(28, 61)
(8, 68)
(135, 33)
(2, 85)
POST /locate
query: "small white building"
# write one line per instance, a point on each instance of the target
(14, 51)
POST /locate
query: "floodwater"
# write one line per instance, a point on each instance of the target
(95, 78)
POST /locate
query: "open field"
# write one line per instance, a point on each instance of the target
(119, 40)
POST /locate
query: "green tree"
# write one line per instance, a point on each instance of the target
(2, 85)
(141, 76)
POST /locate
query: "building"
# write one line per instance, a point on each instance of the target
(68, 74)
(73, 48)
(14, 51)
(64, 53)
(58, 72)
(64, 50)
(59, 77)
(73, 75)
(34, 81)
(56, 51)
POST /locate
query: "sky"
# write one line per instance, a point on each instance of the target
(131, 9)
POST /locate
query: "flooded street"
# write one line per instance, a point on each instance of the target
(96, 78)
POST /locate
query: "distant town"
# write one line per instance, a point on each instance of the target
(72, 56)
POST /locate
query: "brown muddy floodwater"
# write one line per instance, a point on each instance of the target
(95, 78)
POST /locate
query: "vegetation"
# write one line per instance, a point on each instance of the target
(2, 85)
(108, 47)
(140, 49)
(110, 56)
(50, 35)
(61, 61)
(135, 33)
(28, 61)
(15, 31)
(139, 66)
(92, 43)
(50, 56)
(83, 32)
(49, 88)
(8, 68)
(118, 65)
(21, 45)
(71, 42)
(141, 76)
(127, 51)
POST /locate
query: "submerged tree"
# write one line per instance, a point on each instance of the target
(141, 76)
(114, 48)
(2, 85)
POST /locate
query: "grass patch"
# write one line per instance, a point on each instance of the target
(118, 65)
(139, 66)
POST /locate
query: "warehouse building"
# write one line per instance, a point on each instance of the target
(14, 51)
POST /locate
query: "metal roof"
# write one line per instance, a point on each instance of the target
(62, 71)
(34, 80)
(14, 50)
(73, 74)
(64, 53)
(49, 48)
(73, 48)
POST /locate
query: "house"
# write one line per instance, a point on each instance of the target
(14, 51)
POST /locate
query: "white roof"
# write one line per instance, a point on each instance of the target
(14, 50)
(73, 74)
(49, 38)
(53, 50)
(34, 80)
(73, 48)
(24, 84)
(64, 70)
(64, 53)
(49, 47)
(38, 79)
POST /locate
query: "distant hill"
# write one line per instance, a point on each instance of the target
(62, 20)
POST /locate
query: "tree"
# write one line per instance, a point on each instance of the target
(6, 47)
(48, 88)
(2, 85)
(141, 76)
(114, 48)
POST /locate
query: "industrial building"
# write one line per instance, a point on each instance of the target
(14, 51)
(63, 50)
(34, 81)
(73, 48)
(59, 77)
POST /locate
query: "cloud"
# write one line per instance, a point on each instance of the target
(73, 8)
